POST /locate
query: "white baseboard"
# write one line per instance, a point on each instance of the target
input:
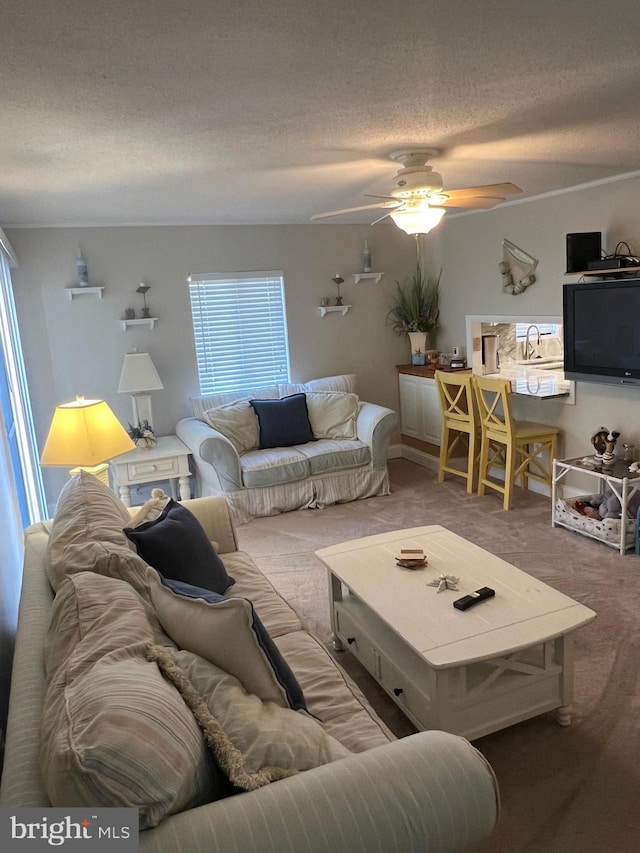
(403, 451)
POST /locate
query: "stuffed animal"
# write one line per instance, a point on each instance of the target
(610, 505)
(589, 506)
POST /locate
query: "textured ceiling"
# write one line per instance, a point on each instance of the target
(268, 111)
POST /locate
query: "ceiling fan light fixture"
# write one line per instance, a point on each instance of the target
(417, 218)
(416, 183)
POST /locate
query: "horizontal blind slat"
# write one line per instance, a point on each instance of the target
(239, 324)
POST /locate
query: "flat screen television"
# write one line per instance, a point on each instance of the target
(602, 331)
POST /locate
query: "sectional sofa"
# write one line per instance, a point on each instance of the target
(127, 691)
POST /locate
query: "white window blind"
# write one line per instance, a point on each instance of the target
(240, 329)
(547, 330)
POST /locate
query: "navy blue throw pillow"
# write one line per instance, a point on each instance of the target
(177, 546)
(283, 422)
(280, 667)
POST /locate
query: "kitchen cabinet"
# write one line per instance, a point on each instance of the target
(420, 417)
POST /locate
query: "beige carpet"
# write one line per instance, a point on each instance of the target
(564, 790)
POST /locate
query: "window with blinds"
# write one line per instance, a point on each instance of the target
(240, 329)
(547, 330)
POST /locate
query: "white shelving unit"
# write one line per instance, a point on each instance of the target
(84, 291)
(617, 533)
(143, 321)
(363, 276)
(333, 309)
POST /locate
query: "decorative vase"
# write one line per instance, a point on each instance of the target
(418, 341)
(366, 258)
(81, 269)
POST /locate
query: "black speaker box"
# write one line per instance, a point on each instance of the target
(581, 248)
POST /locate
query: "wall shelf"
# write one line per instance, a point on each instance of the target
(623, 272)
(359, 276)
(333, 309)
(77, 291)
(143, 321)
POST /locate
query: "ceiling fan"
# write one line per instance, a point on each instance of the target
(417, 201)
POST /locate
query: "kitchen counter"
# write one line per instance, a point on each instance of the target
(534, 381)
(527, 379)
(428, 370)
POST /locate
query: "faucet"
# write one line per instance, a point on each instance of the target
(529, 349)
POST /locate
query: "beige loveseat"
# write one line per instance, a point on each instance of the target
(345, 461)
(431, 791)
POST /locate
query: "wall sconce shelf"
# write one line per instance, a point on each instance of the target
(333, 309)
(143, 321)
(77, 291)
(359, 276)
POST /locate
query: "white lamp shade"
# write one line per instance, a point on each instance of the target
(417, 217)
(138, 374)
(84, 433)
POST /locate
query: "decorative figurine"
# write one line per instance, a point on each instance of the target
(143, 288)
(599, 441)
(608, 457)
(445, 582)
(337, 279)
(517, 268)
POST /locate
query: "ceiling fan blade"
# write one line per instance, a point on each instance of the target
(486, 190)
(390, 197)
(380, 218)
(349, 210)
(483, 202)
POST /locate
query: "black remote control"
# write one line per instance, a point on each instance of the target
(468, 601)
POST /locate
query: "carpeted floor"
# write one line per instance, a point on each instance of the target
(564, 790)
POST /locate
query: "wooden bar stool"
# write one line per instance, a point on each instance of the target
(517, 446)
(460, 424)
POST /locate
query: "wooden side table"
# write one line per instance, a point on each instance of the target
(168, 460)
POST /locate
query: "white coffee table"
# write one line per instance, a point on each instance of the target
(470, 672)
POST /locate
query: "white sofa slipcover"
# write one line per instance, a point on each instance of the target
(431, 791)
(316, 474)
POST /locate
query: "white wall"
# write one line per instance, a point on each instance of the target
(77, 347)
(469, 248)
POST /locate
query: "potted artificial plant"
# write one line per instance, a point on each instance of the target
(415, 312)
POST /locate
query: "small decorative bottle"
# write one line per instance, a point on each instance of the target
(366, 258)
(81, 270)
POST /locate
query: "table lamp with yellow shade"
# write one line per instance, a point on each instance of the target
(85, 434)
